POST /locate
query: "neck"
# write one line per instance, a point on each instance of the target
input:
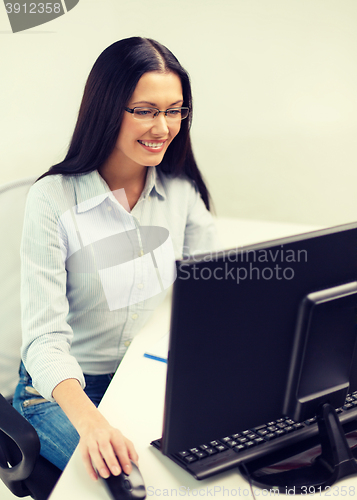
(131, 179)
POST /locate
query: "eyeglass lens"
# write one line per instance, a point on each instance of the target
(150, 113)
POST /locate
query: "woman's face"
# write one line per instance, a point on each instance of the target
(142, 143)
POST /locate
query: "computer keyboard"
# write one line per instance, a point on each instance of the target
(218, 455)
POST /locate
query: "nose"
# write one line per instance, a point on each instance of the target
(159, 126)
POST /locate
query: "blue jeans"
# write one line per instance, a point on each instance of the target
(57, 435)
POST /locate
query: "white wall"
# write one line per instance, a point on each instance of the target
(275, 94)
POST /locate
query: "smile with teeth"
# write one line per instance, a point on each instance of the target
(157, 145)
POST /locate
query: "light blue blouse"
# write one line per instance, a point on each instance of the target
(89, 280)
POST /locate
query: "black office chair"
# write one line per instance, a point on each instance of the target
(23, 470)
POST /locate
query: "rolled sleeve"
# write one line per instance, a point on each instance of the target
(47, 336)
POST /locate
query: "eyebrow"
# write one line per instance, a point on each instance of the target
(155, 105)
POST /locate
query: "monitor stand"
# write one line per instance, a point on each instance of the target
(335, 462)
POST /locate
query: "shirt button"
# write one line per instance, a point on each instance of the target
(140, 285)
(141, 253)
(127, 343)
(134, 316)
(109, 209)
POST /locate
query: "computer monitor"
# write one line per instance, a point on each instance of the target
(262, 331)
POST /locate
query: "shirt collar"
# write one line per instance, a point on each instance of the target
(92, 190)
(153, 181)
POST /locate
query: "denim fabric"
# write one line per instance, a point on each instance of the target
(57, 435)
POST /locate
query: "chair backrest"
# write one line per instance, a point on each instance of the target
(19, 447)
(12, 205)
(22, 469)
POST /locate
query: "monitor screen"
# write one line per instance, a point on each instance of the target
(234, 325)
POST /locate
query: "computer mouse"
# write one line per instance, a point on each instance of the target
(126, 486)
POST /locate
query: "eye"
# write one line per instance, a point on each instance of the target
(144, 111)
(173, 112)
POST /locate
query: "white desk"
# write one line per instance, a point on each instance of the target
(135, 399)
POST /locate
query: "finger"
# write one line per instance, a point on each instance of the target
(88, 465)
(97, 461)
(132, 451)
(121, 451)
(111, 461)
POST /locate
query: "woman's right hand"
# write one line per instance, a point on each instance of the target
(103, 447)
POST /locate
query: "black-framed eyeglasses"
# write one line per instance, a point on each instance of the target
(147, 114)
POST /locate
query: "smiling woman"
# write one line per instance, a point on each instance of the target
(94, 261)
(160, 91)
(146, 134)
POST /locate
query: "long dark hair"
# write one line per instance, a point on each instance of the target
(109, 87)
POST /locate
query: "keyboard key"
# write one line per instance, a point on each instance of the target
(190, 459)
(271, 423)
(252, 436)
(263, 432)
(183, 454)
(243, 440)
(270, 436)
(211, 451)
(250, 444)
(236, 436)
(239, 448)
(289, 421)
(289, 428)
(299, 425)
(280, 432)
(231, 443)
(348, 406)
(256, 429)
(214, 443)
(281, 425)
(204, 447)
(259, 441)
(310, 421)
(194, 450)
(246, 432)
(225, 439)
(272, 428)
(201, 454)
(221, 447)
